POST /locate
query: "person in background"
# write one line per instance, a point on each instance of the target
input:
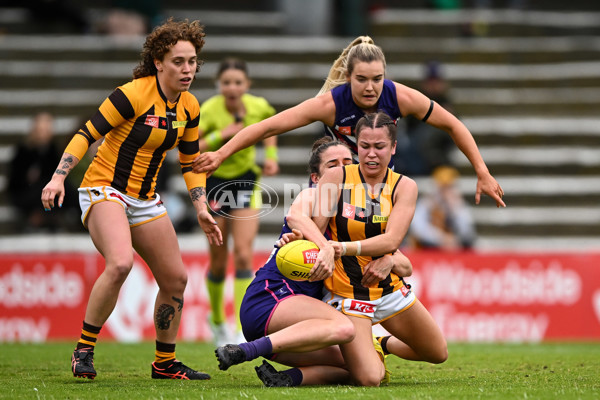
(132, 17)
(232, 191)
(356, 85)
(443, 219)
(422, 147)
(139, 122)
(29, 170)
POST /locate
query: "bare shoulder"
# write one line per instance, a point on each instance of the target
(407, 187)
(408, 183)
(410, 100)
(324, 108)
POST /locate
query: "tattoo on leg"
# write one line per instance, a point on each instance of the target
(164, 315)
(179, 302)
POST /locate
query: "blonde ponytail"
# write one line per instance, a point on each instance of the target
(362, 49)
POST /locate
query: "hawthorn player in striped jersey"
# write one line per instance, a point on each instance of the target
(139, 122)
(368, 208)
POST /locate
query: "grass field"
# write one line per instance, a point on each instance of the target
(473, 371)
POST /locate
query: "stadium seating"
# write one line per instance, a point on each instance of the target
(527, 84)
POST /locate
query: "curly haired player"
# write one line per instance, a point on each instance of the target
(138, 123)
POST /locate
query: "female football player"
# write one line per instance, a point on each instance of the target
(372, 208)
(286, 320)
(356, 85)
(139, 122)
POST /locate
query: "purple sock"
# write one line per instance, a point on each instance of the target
(257, 348)
(296, 376)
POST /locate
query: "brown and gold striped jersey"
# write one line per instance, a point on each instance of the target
(139, 125)
(361, 215)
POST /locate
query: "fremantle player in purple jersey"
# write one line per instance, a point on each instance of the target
(356, 85)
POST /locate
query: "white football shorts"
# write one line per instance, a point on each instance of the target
(138, 211)
(376, 310)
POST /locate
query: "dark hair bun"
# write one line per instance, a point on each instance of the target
(321, 141)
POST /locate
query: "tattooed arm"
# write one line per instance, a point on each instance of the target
(206, 221)
(56, 186)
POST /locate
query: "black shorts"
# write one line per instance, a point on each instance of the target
(226, 195)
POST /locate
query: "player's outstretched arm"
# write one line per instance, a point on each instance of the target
(319, 108)
(412, 102)
(56, 186)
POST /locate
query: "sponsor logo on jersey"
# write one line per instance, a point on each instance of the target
(348, 211)
(362, 307)
(355, 213)
(377, 219)
(353, 116)
(156, 122)
(179, 124)
(310, 256)
(152, 120)
(345, 130)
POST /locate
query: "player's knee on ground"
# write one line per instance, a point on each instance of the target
(369, 378)
(441, 357)
(438, 355)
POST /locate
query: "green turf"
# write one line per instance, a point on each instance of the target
(473, 371)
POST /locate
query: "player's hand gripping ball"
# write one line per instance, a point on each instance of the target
(296, 259)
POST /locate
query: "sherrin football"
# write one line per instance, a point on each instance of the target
(296, 259)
